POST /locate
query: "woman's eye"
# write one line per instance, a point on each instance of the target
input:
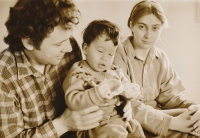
(142, 27)
(156, 28)
(100, 51)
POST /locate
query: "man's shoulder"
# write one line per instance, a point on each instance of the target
(7, 61)
(8, 66)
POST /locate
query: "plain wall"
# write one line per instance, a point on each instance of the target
(181, 41)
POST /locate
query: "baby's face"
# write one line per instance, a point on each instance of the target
(100, 53)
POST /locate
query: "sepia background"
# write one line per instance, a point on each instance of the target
(181, 41)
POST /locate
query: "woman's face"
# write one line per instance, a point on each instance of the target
(146, 31)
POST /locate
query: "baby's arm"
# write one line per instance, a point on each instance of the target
(77, 96)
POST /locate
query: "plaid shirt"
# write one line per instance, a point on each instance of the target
(29, 100)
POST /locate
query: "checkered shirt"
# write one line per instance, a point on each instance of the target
(29, 100)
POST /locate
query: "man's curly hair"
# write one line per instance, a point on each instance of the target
(35, 19)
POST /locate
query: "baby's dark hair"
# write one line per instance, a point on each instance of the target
(101, 27)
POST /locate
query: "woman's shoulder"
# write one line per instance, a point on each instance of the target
(160, 52)
(121, 50)
(162, 57)
(126, 42)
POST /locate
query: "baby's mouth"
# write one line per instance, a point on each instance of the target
(102, 65)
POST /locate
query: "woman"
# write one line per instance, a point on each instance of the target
(163, 111)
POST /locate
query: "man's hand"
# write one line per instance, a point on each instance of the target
(78, 120)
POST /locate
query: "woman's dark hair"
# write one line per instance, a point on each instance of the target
(35, 19)
(101, 27)
(144, 8)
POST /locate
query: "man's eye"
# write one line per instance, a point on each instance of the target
(58, 44)
(61, 43)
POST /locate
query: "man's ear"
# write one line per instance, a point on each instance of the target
(26, 43)
(85, 46)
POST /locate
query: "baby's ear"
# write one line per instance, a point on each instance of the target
(84, 47)
(27, 44)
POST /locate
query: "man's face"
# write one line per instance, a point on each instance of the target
(52, 48)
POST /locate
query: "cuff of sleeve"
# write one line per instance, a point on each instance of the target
(165, 127)
(95, 98)
(47, 130)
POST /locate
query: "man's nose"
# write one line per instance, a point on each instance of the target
(67, 47)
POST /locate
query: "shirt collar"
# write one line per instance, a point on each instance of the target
(24, 67)
(129, 47)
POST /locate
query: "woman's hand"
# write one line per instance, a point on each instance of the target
(196, 116)
(184, 122)
(78, 120)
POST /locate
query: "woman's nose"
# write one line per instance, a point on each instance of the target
(148, 33)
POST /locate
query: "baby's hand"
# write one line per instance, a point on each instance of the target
(109, 88)
(132, 91)
(103, 90)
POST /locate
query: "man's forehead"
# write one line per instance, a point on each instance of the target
(59, 34)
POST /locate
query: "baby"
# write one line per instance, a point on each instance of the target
(96, 81)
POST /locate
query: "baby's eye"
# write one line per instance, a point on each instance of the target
(100, 51)
(110, 54)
